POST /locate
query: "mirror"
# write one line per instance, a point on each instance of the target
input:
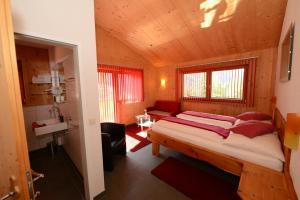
(56, 79)
(287, 55)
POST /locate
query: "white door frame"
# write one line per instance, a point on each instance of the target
(44, 41)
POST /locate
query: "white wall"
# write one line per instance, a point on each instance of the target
(71, 22)
(70, 109)
(288, 93)
(33, 114)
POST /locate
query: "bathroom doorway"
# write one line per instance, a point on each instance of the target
(49, 84)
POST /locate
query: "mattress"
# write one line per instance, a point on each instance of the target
(214, 142)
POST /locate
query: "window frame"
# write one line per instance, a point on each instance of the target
(209, 71)
(200, 98)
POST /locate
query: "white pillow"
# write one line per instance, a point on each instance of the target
(268, 144)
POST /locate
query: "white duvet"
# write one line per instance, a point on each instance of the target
(263, 150)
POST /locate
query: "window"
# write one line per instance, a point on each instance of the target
(195, 85)
(226, 82)
(223, 85)
(118, 85)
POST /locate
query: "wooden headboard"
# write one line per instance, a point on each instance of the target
(280, 122)
(280, 125)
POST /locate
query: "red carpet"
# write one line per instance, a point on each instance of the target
(194, 182)
(137, 139)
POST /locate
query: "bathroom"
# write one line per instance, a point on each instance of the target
(49, 83)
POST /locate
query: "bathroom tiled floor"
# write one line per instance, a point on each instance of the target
(61, 181)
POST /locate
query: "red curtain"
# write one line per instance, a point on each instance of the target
(118, 85)
(107, 97)
(130, 85)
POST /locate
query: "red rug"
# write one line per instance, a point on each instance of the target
(135, 138)
(194, 182)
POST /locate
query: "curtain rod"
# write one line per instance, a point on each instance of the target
(198, 65)
(122, 65)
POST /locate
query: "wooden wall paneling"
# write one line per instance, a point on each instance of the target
(273, 75)
(38, 94)
(34, 61)
(193, 17)
(161, 37)
(21, 80)
(113, 52)
(164, 41)
(168, 33)
(121, 25)
(171, 31)
(265, 25)
(264, 89)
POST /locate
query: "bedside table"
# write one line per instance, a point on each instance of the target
(144, 121)
(262, 184)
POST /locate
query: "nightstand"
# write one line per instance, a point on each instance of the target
(262, 184)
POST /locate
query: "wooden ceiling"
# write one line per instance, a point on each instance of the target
(174, 31)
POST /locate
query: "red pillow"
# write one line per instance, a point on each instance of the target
(254, 116)
(252, 129)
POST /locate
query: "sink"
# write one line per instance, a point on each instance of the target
(52, 125)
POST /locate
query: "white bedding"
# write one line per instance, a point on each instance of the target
(215, 142)
(224, 124)
(189, 130)
(268, 144)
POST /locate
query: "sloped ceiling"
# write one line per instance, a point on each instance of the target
(175, 31)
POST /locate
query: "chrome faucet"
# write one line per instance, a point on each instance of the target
(55, 111)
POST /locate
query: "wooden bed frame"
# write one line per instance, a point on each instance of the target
(222, 161)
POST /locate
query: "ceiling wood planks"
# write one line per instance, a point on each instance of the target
(175, 31)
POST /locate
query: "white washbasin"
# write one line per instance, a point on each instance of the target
(52, 125)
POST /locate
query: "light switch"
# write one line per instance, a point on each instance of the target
(92, 121)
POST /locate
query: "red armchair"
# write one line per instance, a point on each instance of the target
(164, 108)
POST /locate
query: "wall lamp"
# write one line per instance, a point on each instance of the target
(292, 131)
(163, 83)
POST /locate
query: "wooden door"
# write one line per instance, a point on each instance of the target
(14, 161)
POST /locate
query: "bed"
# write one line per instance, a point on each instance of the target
(211, 147)
(221, 123)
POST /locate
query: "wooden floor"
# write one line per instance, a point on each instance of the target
(131, 178)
